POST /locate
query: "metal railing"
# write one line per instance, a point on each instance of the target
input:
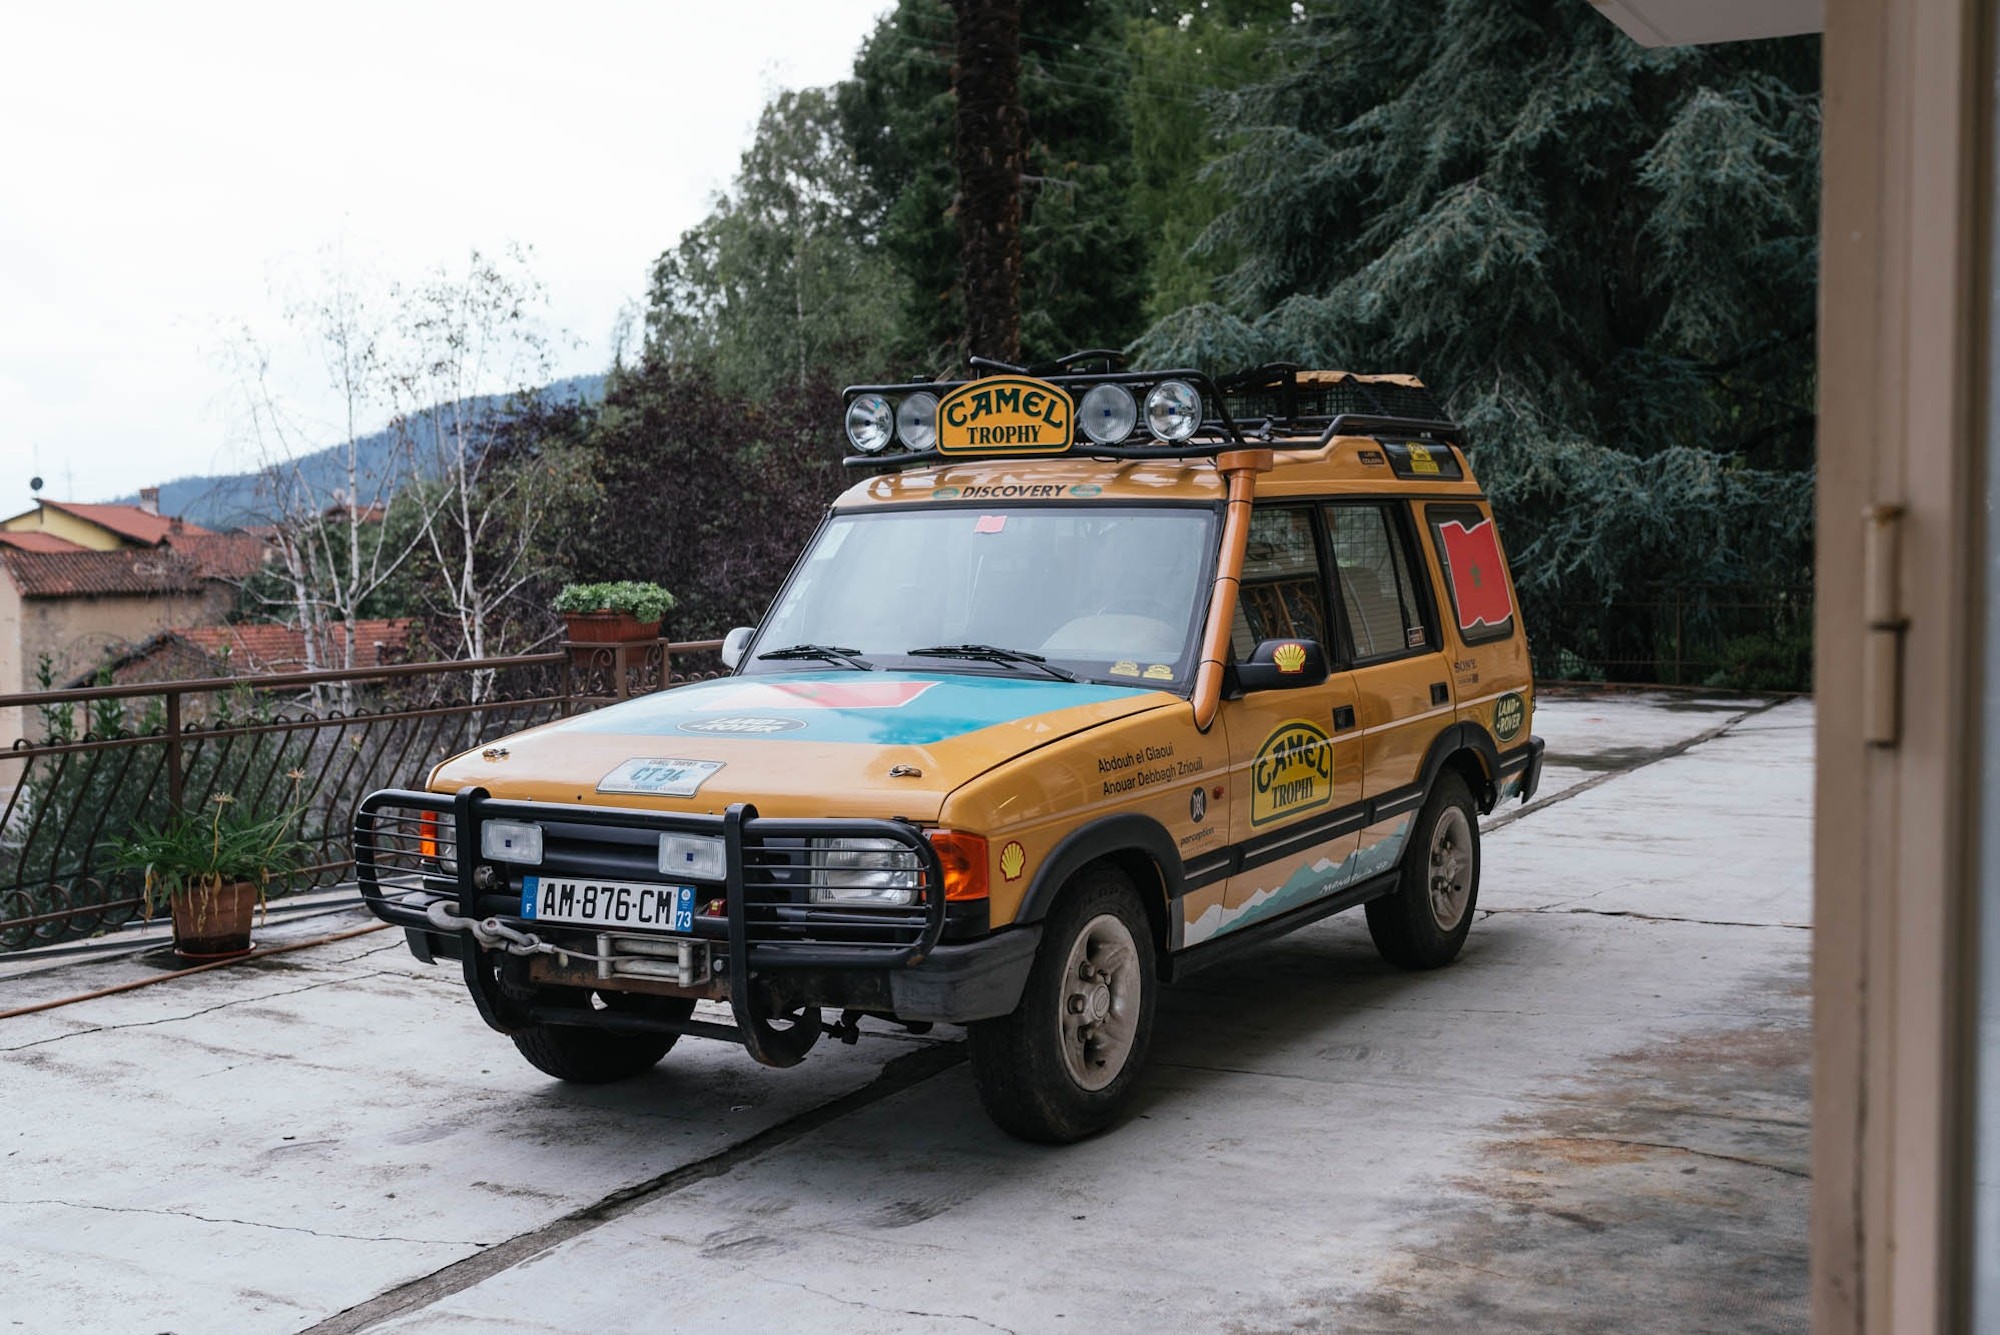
(96, 763)
(1725, 637)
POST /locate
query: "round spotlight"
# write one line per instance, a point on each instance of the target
(870, 423)
(1107, 413)
(1173, 410)
(916, 421)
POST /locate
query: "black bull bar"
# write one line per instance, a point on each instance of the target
(418, 853)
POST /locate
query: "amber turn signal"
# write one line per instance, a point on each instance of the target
(964, 859)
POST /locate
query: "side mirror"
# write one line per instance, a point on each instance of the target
(734, 644)
(1277, 665)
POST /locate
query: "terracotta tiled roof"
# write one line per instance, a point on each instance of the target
(264, 648)
(128, 521)
(127, 572)
(33, 540)
(222, 555)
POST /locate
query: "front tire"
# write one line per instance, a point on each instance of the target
(586, 1056)
(1064, 1065)
(1424, 921)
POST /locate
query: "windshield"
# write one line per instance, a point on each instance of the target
(1110, 594)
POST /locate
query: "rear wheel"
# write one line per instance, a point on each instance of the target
(1424, 921)
(598, 1056)
(1065, 1063)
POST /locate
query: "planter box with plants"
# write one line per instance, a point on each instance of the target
(210, 864)
(619, 612)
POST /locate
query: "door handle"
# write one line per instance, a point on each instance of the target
(1343, 717)
(1440, 693)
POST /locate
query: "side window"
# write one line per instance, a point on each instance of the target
(1469, 549)
(1371, 562)
(1280, 595)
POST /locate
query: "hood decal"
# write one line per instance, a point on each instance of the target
(753, 695)
(888, 709)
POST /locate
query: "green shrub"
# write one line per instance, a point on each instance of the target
(647, 602)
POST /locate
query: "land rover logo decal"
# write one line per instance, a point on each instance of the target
(1293, 773)
(744, 725)
(1510, 711)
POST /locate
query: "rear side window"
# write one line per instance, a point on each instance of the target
(1280, 594)
(1371, 562)
(1469, 549)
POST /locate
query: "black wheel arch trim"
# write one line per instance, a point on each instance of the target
(1122, 833)
(1461, 736)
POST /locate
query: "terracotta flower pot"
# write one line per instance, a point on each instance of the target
(606, 627)
(214, 923)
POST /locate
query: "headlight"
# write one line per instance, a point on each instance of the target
(864, 871)
(1107, 413)
(916, 421)
(1173, 410)
(870, 422)
(511, 841)
(696, 855)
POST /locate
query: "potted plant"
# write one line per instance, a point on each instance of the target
(211, 865)
(618, 612)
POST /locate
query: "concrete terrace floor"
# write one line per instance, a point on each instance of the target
(1595, 1121)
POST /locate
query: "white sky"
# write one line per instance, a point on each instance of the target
(167, 170)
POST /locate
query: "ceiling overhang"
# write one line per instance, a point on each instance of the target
(1693, 22)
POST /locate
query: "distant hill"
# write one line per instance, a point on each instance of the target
(234, 499)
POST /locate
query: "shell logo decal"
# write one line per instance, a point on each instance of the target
(1290, 657)
(1013, 858)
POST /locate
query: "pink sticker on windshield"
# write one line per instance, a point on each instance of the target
(990, 524)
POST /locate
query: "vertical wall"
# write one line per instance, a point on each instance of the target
(1899, 410)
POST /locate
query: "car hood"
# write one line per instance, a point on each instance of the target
(813, 743)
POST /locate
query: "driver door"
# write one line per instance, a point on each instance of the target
(1295, 754)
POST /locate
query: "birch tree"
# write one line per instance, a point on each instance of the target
(338, 553)
(474, 345)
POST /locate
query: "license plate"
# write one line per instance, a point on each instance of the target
(659, 778)
(655, 908)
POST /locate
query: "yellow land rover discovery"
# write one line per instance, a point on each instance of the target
(1091, 680)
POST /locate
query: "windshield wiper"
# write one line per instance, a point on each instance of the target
(993, 654)
(827, 653)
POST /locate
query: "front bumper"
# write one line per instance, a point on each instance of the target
(772, 951)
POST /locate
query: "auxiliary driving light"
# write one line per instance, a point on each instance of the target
(1173, 410)
(511, 841)
(1107, 413)
(916, 421)
(871, 423)
(696, 855)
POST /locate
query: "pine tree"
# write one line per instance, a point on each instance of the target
(1604, 255)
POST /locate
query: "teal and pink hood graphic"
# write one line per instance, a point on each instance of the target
(879, 709)
(809, 742)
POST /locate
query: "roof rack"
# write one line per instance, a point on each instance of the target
(1249, 409)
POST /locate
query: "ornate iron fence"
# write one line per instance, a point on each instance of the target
(97, 762)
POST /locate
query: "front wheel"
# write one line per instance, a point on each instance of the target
(1423, 922)
(1065, 1063)
(587, 1056)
